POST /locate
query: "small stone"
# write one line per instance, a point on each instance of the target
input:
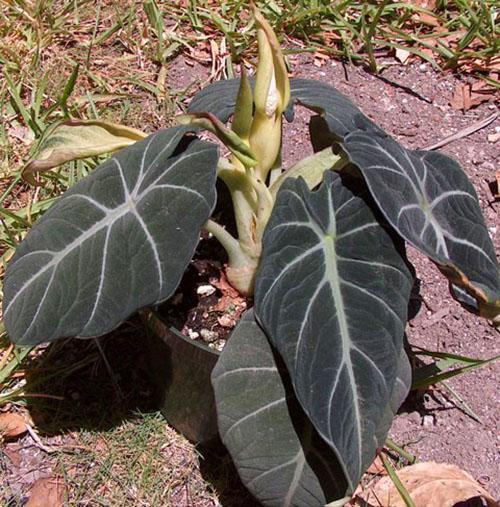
(219, 344)
(428, 420)
(205, 290)
(193, 334)
(208, 335)
(493, 138)
(226, 321)
(414, 417)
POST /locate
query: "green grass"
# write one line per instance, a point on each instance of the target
(456, 34)
(110, 60)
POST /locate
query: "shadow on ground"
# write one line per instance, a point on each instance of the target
(75, 390)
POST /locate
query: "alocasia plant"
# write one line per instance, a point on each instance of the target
(311, 378)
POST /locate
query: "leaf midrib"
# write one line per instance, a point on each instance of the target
(332, 275)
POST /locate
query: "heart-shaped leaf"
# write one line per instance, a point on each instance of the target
(280, 457)
(332, 295)
(119, 240)
(76, 139)
(430, 202)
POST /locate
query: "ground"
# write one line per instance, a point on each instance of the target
(103, 437)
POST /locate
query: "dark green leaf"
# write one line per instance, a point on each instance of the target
(119, 240)
(399, 393)
(335, 109)
(280, 457)
(403, 383)
(332, 295)
(218, 98)
(430, 202)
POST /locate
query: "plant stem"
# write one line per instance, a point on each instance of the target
(230, 244)
(396, 448)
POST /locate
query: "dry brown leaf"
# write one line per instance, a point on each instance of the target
(320, 59)
(423, 17)
(12, 425)
(429, 485)
(377, 467)
(225, 287)
(466, 95)
(47, 492)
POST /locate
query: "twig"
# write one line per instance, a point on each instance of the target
(463, 133)
(38, 441)
(45, 396)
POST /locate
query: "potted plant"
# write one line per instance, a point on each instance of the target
(312, 376)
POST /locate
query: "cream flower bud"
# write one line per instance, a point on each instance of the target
(273, 97)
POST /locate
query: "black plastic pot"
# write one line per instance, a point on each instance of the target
(181, 371)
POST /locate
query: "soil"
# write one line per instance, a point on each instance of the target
(412, 103)
(205, 306)
(433, 424)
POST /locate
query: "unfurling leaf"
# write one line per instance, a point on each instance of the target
(429, 485)
(243, 114)
(77, 139)
(272, 86)
(334, 306)
(117, 241)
